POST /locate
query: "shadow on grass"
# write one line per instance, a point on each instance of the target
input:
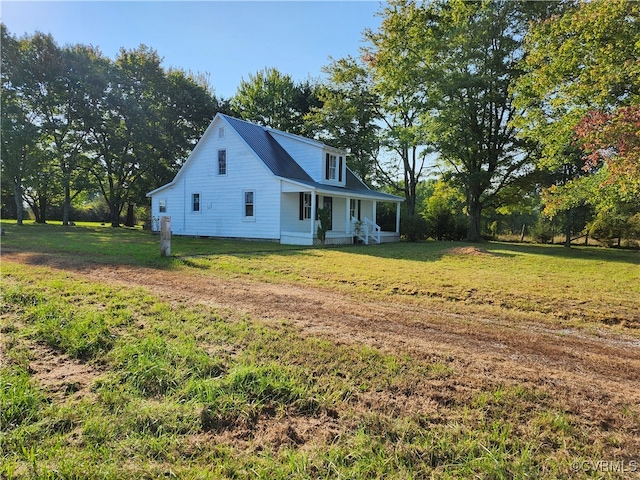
(98, 244)
(434, 251)
(82, 245)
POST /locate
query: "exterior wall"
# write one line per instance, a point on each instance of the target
(172, 197)
(222, 196)
(338, 215)
(290, 214)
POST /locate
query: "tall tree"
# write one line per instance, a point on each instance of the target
(273, 99)
(148, 120)
(35, 71)
(20, 131)
(188, 105)
(348, 116)
(395, 61)
(443, 72)
(580, 91)
(473, 58)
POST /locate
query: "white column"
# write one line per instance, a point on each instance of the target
(375, 204)
(347, 217)
(313, 213)
(398, 218)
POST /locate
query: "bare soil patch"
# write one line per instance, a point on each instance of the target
(61, 375)
(467, 251)
(594, 376)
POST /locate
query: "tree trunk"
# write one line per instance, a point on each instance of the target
(41, 216)
(66, 208)
(475, 210)
(130, 220)
(115, 215)
(567, 228)
(17, 194)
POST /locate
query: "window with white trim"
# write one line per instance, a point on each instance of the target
(249, 204)
(222, 162)
(353, 206)
(333, 166)
(162, 206)
(195, 202)
(305, 205)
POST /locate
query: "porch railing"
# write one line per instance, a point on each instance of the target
(366, 229)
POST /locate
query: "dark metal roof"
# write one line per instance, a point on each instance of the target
(356, 192)
(354, 183)
(274, 156)
(278, 160)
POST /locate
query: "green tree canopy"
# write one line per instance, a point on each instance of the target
(273, 99)
(73, 120)
(579, 99)
(348, 116)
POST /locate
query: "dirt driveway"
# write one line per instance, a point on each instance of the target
(594, 375)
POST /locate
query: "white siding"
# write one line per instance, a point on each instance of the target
(174, 208)
(222, 196)
(290, 219)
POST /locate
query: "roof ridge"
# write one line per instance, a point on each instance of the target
(268, 149)
(244, 121)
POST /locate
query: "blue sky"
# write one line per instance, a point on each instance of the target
(229, 40)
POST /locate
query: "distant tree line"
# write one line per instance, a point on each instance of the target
(489, 117)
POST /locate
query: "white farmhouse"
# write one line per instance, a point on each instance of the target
(246, 181)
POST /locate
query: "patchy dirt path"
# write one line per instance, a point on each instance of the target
(503, 349)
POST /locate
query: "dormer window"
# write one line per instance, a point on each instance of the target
(333, 167)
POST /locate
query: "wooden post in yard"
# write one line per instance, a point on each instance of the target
(165, 236)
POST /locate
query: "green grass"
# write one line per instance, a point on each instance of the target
(125, 245)
(581, 286)
(199, 392)
(173, 375)
(591, 284)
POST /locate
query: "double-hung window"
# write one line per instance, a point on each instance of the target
(222, 162)
(249, 205)
(195, 202)
(305, 206)
(162, 206)
(333, 167)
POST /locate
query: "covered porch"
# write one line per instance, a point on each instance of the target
(353, 215)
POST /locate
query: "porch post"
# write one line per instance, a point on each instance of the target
(375, 220)
(313, 214)
(347, 217)
(398, 218)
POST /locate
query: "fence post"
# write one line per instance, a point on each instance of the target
(165, 236)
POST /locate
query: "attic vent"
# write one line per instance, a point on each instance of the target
(221, 132)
